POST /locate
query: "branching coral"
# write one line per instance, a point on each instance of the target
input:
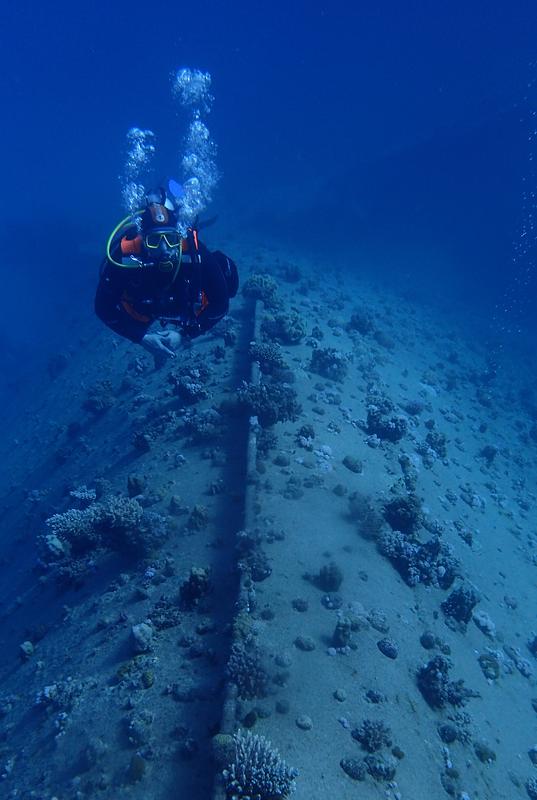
(258, 771)
(74, 530)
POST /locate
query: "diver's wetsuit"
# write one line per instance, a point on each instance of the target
(129, 300)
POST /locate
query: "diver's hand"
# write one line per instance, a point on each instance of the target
(162, 343)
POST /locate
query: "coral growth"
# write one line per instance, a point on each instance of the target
(404, 514)
(373, 735)
(246, 670)
(432, 562)
(261, 287)
(328, 579)
(268, 356)
(329, 363)
(189, 383)
(388, 648)
(437, 442)
(270, 402)
(383, 421)
(116, 523)
(531, 788)
(489, 453)
(361, 321)
(257, 772)
(73, 531)
(460, 604)
(286, 327)
(362, 509)
(100, 397)
(342, 632)
(252, 558)
(380, 768)
(198, 519)
(195, 587)
(266, 441)
(204, 426)
(436, 688)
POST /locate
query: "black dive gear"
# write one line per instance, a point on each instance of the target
(194, 297)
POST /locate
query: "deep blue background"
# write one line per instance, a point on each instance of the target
(394, 131)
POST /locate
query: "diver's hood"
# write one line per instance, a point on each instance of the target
(159, 197)
(162, 205)
(170, 195)
(157, 215)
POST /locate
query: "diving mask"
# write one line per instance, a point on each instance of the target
(157, 238)
(163, 246)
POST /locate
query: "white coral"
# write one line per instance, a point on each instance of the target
(72, 524)
(258, 771)
(83, 494)
(122, 512)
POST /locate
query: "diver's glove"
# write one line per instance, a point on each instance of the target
(162, 343)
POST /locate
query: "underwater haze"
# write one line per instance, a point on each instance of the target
(298, 557)
(377, 124)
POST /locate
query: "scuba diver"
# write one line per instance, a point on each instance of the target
(152, 272)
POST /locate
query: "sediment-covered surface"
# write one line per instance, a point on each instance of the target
(123, 490)
(383, 640)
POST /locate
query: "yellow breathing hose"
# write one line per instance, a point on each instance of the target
(114, 232)
(136, 265)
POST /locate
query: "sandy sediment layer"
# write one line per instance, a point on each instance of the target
(390, 624)
(364, 586)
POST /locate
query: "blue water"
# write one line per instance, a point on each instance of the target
(394, 139)
(388, 128)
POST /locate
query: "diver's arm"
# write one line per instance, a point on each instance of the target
(112, 309)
